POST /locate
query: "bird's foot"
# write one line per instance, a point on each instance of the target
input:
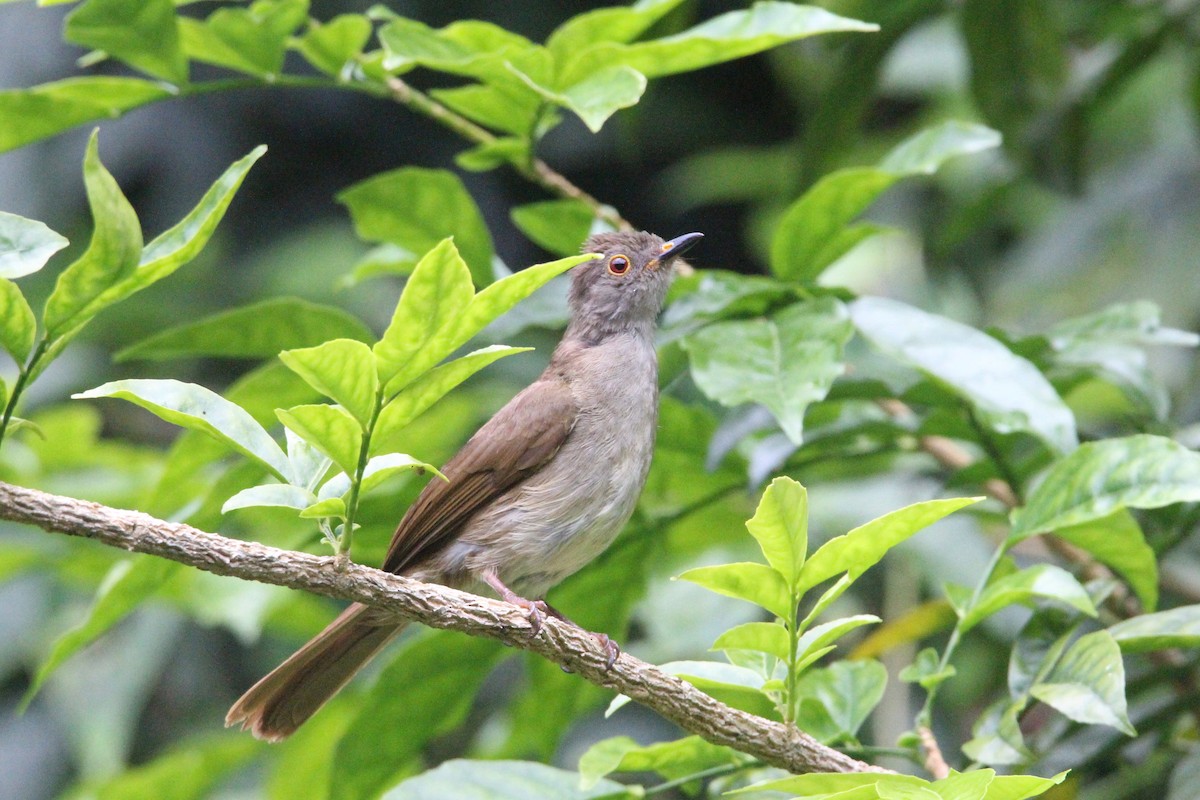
(612, 651)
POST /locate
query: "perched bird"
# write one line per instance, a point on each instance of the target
(539, 491)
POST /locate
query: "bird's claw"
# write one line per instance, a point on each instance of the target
(535, 612)
(612, 651)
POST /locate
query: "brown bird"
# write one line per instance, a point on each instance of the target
(538, 492)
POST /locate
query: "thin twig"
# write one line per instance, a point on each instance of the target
(439, 607)
(934, 762)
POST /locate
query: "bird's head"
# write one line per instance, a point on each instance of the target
(627, 285)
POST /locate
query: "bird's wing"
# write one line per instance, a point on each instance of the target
(513, 445)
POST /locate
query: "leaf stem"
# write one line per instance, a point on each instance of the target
(19, 386)
(364, 449)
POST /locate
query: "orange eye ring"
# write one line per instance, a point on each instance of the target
(618, 265)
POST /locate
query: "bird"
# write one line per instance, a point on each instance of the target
(539, 491)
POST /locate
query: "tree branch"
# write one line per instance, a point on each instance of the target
(437, 606)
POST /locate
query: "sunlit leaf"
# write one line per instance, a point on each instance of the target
(1039, 582)
(197, 408)
(142, 33)
(1088, 683)
(672, 760)
(785, 362)
(1117, 540)
(18, 326)
(1103, 477)
(1007, 392)
(821, 636)
(111, 256)
(1178, 627)
(504, 780)
(258, 330)
(342, 369)
(329, 46)
(330, 429)
(25, 245)
(756, 583)
(762, 637)
(278, 495)
(378, 470)
(780, 525)
(860, 549)
(598, 96)
(559, 226)
(51, 108)
(997, 735)
(848, 690)
(252, 39)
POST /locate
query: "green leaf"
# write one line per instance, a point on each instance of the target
(127, 584)
(927, 670)
(785, 362)
(468, 47)
(971, 785)
(504, 780)
(426, 690)
(258, 330)
(111, 256)
(848, 690)
(832, 784)
(1117, 540)
(1088, 684)
(25, 245)
(821, 636)
(1038, 647)
(51, 108)
(860, 549)
(724, 38)
(672, 760)
(598, 96)
(502, 295)
(559, 226)
(780, 525)
(1179, 627)
(278, 495)
(735, 686)
(197, 408)
(746, 580)
(330, 429)
(813, 232)
(997, 735)
(332, 45)
(416, 208)
(18, 326)
(426, 390)
(618, 24)
(191, 770)
(1103, 477)
(761, 637)
(1021, 787)
(378, 470)
(252, 40)
(342, 369)
(1039, 582)
(142, 33)
(1007, 392)
(329, 507)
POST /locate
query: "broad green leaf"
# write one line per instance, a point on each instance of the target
(258, 330)
(1006, 391)
(329, 507)
(1139, 322)
(723, 38)
(191, 770)
(504, 780)
(342, 369)
(1039, 582)
(502, 295)
(252, 40)
(278, 495)
(1021, 787)
(197, 408)
(971, 785)
(331, 46)
(780, 525)
(1088, 684)
(898, 790)
(142, 33)
(426, 690)
(421, 331)
(330, 429)
(813, 232)
(821, 784)
(25, 245)
(1178, 627)
(1117, 540)
(559, 226)
(18, 326)
(416, 209)
(827, 598)
(848, 690)
(860, 549)
(997, 736)
(735, 686)
(711, 294)
(111, 256)
(747, 580)
(467, 47)
(426, 390)
(507, 108)
(378, 470)
(762, 637)
(1103, 477)
(672, 760)
(926, 670)
(785, 362)
(127, 584)
(51, 108)
(1038, 646)
(614, 24)
(598, 96)
(821, 636)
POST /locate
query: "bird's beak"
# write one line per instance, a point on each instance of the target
(676, 246)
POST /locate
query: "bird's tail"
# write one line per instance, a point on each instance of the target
(278, 704)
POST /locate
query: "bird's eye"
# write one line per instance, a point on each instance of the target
(618, 265)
